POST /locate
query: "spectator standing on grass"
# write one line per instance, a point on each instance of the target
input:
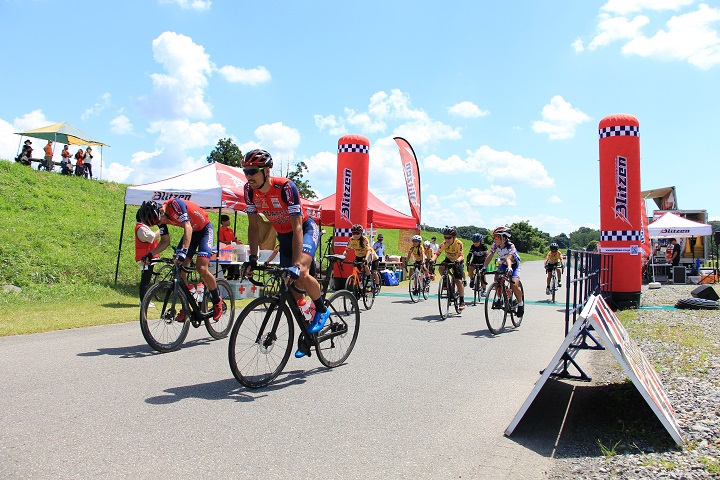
(379, 247)
(66, 160)
(48, 161)
(79, 160)
(675, 259)
(227, 235)
(145, 241)
(87, 163)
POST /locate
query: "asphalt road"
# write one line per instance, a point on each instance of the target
(418, 398)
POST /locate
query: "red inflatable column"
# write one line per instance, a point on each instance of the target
(621, 232)
(351, 194)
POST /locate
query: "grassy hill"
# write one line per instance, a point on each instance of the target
(59, 239)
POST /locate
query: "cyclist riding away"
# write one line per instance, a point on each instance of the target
(364, 252)
(553, 261)
(198, 236)
(476, 259)
(417, 254)
(297, 234)
(429, 259)
(509, 261)
(453, 249)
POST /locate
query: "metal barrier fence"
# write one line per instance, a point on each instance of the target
(588, 273)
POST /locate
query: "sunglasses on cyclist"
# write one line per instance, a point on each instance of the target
(251, 171)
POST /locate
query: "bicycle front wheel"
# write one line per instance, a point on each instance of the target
(553, 286)
(337, 339)
(272, 286)
(220, 328)
(260, 342)
(516, 321)
(164, 317)
(477, 288)
(495, 313)
(414, 287)
(444, 299)
(368, 293)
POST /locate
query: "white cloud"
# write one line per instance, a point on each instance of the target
(9, 142)
(617, 28)
(116, 172)
(559, 119)
(623, 7)
(494, 166)
(554, 199)
(467, 110)
(278, 139)
(104, 102)
(688, 37)
(121, 125)
(29, 121)
(578, 46)
(174, 135)
(252, 76)
(199, 5)
(334, 126)
(495, 196)
(364, 122)
(141, 158)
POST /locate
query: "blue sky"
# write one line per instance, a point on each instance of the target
(500, 103)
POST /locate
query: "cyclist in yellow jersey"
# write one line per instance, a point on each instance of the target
(417, 254)
(453, 249)
(363, 251)
(429, 258)
(553, 261)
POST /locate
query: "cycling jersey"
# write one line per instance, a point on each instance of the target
(507, 250)
(415, 254)
(553, 258)
(477, 254)
(280, 203)
(453, 250)
(360, 250)
(179, 211)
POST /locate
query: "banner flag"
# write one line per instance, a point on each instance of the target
(412, 176)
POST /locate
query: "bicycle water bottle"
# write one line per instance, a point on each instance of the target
(307, 308)
(199, 292)
(191, 288)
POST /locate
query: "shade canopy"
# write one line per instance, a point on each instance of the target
(213, 186)
(671, 225)
(62, 132)
(379, 214)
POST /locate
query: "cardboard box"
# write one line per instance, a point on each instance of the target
(244, 289)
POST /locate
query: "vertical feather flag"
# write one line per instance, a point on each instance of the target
(412, 176)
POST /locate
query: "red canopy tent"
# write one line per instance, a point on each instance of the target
(379, 214)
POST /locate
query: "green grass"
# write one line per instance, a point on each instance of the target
(59, 239)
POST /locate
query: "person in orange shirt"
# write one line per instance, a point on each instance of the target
(79, 158)
(48, 161)
(227, 235)
(66, 162)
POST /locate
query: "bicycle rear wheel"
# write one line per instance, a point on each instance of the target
(351, 286)
(220, 328)
(425, 288)
(158, 313)
(260, 342)
(495, 313)
(414, 287)
(444, 299)
(516, 321)
(368, 293)
(337, 339)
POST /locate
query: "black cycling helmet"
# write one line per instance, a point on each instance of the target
(149, 213)
(502, 230)
(257, 158)
(451, 231)
(554, 247)
(357, 228)
(476, 237)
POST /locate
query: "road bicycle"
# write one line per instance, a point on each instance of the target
(501, 303)
(361, 285)
(479, 283)
(169, 308)
(447, 291)
(263, 336)
(419, 283)
(554, 281)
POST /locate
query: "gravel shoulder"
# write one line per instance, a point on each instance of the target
(610, 432)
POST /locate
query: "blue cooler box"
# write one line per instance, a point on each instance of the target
(389, 278)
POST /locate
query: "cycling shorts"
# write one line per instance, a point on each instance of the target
(202, 242)
(551, 266)
(458, 269)
(515, 270)
(311, 235)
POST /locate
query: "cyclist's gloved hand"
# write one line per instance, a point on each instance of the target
(248, 266)
(483, 270)
(181, 254)
(294, 272)
(147, 257)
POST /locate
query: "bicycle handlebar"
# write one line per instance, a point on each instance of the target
(170, 261)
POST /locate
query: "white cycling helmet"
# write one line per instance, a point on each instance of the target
(426, 244)
(416, 238)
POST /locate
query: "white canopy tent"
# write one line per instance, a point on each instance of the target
(671, 225)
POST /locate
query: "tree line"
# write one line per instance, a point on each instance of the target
(525, 237)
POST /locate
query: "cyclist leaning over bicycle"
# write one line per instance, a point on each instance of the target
(429, 259)
(417, 254)
(476, 259)
(278, 199)
(553, 261)
(509, 261)
(453, 249)
(364, 252)
(198, 236)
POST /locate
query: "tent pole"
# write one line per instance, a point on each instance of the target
(122, 230)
